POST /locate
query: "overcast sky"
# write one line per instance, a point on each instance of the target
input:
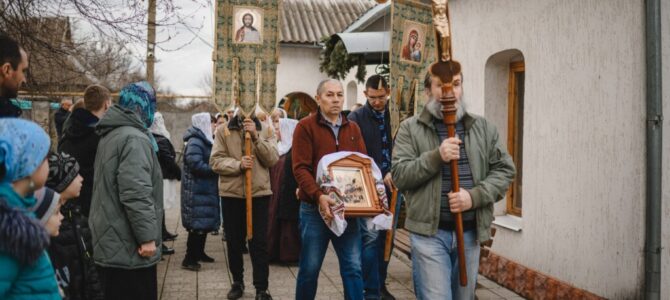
(183, 70)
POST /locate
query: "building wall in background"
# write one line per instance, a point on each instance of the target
(584, 132)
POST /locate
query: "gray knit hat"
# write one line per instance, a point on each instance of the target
(63, 169)
(47, 201)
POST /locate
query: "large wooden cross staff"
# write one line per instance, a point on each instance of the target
(445, 68)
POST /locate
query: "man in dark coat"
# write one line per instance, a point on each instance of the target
(61, 115)
(80, 141)
(13, 65)
(374, 120)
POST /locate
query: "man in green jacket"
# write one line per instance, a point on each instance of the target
(420, 169)
(127, 203)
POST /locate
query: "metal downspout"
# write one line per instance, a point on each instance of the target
(654, 143)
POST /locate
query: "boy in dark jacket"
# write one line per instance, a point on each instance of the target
(69, 250)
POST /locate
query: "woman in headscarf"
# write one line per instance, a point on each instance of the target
(127, 203)
(199, 191)
(25, 269)
(169, 167)
(283, 238)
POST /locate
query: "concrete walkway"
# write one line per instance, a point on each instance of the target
(213, 281)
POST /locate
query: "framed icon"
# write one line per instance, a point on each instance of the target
(247, 25)
(413, 42)
(352, 175)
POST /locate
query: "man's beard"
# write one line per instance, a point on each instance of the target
(435, 108)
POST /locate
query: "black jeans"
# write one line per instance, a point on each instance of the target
(122, 284)
(195, 246)
(235, 227)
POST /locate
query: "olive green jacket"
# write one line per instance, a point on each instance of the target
(127, 203)
(417, 165)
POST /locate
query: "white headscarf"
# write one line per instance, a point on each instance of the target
(158, 126)
(203, 122)
(286, 129)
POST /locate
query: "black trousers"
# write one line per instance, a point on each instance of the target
(235, 226)
(195, 245)
(122, 284)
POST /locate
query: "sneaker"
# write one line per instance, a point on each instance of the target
(206, 258)
(263, 295)
(386, 295)
(215, 232)
(190, 265)
(237, 291)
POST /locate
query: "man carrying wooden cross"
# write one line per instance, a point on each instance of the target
(420, 168)
(228, 160)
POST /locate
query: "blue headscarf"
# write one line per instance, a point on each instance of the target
(140, 98)
(23, 147)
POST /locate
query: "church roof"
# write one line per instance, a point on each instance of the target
(308, 21)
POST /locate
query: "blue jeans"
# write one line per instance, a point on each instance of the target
(315, 237)
(375, 269)
(435, 265)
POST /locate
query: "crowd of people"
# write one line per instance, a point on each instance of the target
(87, 220)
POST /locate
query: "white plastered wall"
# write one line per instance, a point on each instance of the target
(584, 132)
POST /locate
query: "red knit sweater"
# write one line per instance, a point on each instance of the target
(312, 140)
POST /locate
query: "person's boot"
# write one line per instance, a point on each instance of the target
(206, 258)
(165, 250)
(263, 295)
(167, 236)
(190, 264)
(236, 291)
(385, 294)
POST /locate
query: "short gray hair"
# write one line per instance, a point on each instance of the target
(319, 88)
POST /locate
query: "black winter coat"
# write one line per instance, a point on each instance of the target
(80, 140)
(59, 118)
(199, 185)
(8, 109)
(166, 158)
(71, 256)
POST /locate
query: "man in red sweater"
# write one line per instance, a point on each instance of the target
(324, 132)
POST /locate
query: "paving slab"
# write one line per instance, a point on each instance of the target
(214, 279)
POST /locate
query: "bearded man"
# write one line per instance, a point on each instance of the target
(421, 170)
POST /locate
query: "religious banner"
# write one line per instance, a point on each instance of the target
(246, 54)
(412, 52)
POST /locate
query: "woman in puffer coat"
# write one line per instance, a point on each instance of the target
(25, 268)
(199, 191)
